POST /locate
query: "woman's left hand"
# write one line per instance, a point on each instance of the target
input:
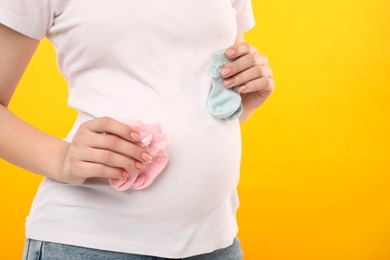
(250, 73)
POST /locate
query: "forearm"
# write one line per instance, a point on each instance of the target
(246, 113)
(29, 148)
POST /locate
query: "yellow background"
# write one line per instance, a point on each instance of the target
(315, 170)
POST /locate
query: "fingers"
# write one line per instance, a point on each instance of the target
(240, 49)
(104, 147)
(76, 169)
(111, 159)
(109, 125)
(87, 162)
(118, 145)
(102, 140)
(249, 70)
(263, 85)
(244, 63)
(90, 170)
(252, 73)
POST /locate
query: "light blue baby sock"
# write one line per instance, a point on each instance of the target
(222, 102)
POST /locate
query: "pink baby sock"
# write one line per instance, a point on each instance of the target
(153, 141)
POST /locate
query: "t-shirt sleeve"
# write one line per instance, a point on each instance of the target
(244, 15)
(29, 17)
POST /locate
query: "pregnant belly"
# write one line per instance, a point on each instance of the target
(203, 169)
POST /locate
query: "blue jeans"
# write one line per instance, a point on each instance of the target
(41, 250)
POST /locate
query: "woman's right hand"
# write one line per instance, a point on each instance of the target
(103, 147)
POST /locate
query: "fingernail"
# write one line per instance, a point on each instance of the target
(125, 174)
(139, 166)
(135, 136)
(225, 71)
(230, 53)
(146, 157)
(241, 89)
(228, 82)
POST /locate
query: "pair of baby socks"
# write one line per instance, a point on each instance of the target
(223, 102)
(155, 143)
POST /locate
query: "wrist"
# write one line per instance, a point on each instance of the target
(56, 169)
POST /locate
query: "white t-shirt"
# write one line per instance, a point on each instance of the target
(142, 60)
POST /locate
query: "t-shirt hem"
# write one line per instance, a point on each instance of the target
(127, 246)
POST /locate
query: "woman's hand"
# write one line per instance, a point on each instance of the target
(103, 147)
(250, 73)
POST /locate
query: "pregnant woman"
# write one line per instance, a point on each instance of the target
(150, 168)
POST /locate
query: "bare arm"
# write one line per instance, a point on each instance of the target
(22, 144)
(102, 147)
